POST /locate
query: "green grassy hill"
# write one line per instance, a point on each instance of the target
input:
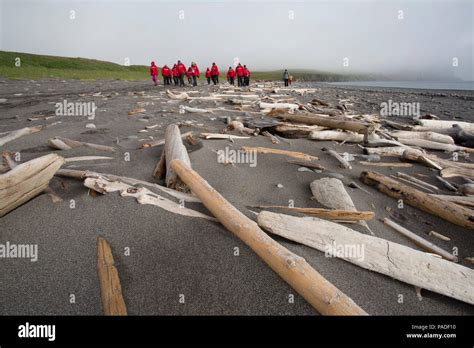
(36, 67)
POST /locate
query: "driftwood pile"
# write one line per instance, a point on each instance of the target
(278, 114)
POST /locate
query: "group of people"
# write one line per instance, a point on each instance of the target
(241, 72)
(178, 72)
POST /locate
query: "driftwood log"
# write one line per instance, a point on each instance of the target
(83, 174)
(446, 210)
(110, 288)
(442, 126)
(67, 144)
(19, 133)
(335, 135)
(326, 121)
(142, 195)
(294, 154)
(431, 136)
(312, 286)
(328, 214)
(26, 181)
(375, 254)
(423, 243)
(174, 149)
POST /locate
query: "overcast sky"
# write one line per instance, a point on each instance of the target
(375, 36)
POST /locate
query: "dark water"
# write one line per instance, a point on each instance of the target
(451, 85)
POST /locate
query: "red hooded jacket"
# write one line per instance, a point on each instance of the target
(208, 73)
(153, 70)
(246, 72)
(181, 68)
(175, 71)
(165, 71)
(190, 72)
(214, 70)
(230, 73)
(196, 71)
(239, 70)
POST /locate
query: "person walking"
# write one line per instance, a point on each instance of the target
(231, 75)
(286, 77)
(189, 75)
(196, 73)
(215, 73)
(246, 76)
(240, 75)
(182, 72)
(154, 73)
(290, 80)
(166, 73)
(208, 76)
(175, 74)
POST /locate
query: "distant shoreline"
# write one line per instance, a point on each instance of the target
(430, 85)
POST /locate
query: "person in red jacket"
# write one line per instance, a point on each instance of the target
(166, 73)
(231, 75)
(190, 75)
(154, 72)
(208, 76)
(240, 75)
(175, 74)
(182, 71)
(214, 73)
(246, 76)
(197, 73)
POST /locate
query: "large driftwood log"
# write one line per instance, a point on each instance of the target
(446, 126)
(26, 181)
(19, 133)
(331, 193)
(375, 254)
(67, 144)
(313, 287)
(326, 121)
(335, 135)
(391, 151)
(446, 210)
(174, 149)
(110, 288)
(431, 136)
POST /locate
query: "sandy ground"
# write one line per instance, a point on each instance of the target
(173, 255)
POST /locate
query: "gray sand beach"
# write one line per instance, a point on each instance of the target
(173, 255)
